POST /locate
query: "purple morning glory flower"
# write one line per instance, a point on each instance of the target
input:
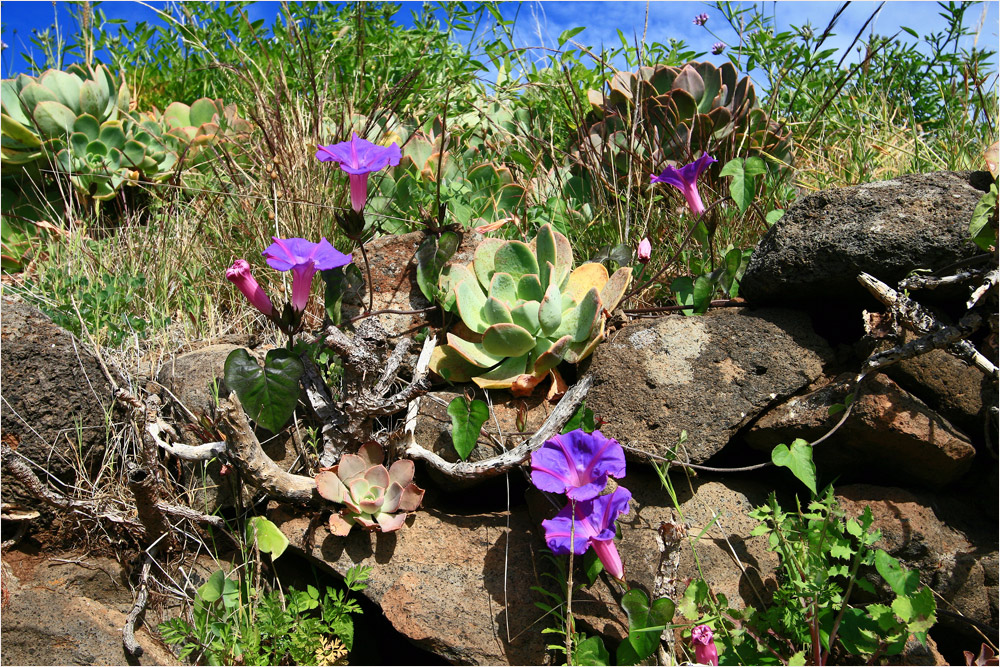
(303, 258)
(239, 274)
(577, 464)
(718, 48)
(700, 19)
(359, 157)
(592, 525)
(685, 179)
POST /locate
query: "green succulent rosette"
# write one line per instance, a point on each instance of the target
(525, 309)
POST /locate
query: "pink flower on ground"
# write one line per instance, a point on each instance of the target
(645, 248)
(705, 652)
(239, 275)
(685, 179)
(359, 157)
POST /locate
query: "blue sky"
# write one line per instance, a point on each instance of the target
(541, 23)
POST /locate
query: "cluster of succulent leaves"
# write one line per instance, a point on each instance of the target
(525, 309)
(78, 124)
(824, 557)
(235, 624)
(666, 114)
(375, 498)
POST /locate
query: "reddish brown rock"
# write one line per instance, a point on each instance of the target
(890, 434)
(962, 572)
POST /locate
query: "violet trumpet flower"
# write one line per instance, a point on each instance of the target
(239, 274)
(705, 652)
(359, 157)
(592, 524)
(577, 464)
(685, 179)
(303, 258)
(644, 251)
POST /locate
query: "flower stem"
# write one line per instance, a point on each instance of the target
(368, 269)
(569, 586)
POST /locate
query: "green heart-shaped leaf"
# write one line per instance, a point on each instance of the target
(269, 539)
(467, 419)
(799, 459)
(268, 394)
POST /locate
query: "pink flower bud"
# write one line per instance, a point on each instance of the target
(645, 248)
(705, 652)
(239, 275)
(607, 552)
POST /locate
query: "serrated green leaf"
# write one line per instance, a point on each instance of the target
(268, 394)
(467, 419)
(917, 611)
(798, 459)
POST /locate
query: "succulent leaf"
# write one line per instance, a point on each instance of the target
(614, 289)
(470, 301)
(450, 365)
(329, 486)
(507, 340)
(371, 454)
(401, 472)
(503, 287)
(503, 375)
(496, 312)
(526, 316)
(377, 476)
(483, 259)
(529, 288)
(54, 119)
(550, 310)
(474, 353)
(591, 275)
(515, 258)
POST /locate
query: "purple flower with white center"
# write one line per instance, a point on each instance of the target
(592, 524)
(685, 179)
(577, 464)
(359, 157)
(239, 274)
(705, 652)
(718, 48)
(303, 258)
(700, 19)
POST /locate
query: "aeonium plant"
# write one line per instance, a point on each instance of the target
(375, 498)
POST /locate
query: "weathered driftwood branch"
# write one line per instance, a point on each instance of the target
(329, 415)
(562, 413)
(22, 473)
(989, 282)
(936, 334)
(244, 451)
(132, 647)
(147, 497)
(917, 282)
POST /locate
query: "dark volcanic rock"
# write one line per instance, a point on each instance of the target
(55, 395)
(707, 375)
(888, 228)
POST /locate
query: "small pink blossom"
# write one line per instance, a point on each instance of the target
(645, 248)
(239, 274)
(705, 652)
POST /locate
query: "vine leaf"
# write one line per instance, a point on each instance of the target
(645, 623)
(799, 459)
(268, 394)
(269, 538)
(467, 419)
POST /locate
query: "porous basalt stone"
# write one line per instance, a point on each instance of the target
(707, 375)
(813, 255)
(57, 399)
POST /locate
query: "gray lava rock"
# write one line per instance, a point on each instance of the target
(55, 396)
(707, 375)
(888, 228)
